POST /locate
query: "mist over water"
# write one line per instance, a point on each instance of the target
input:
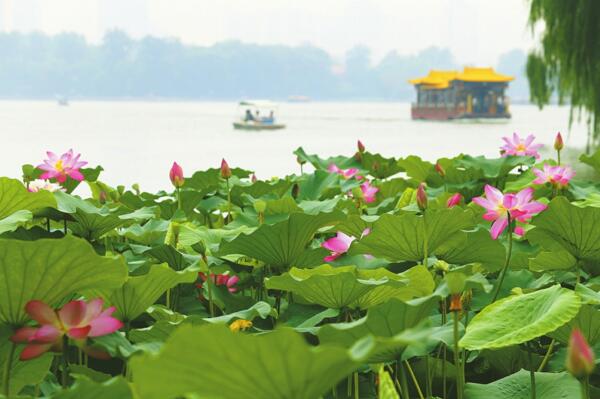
(136, 142)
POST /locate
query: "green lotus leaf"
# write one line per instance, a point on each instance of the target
(384, 320)
(320, 163)
(210, 179)
(15, 197)
(473, 247)
(316, 185)
(552, 260)
(575, 229)
(152, 232)
(259, 189)
(592, 160)
(521, 318)
(139, 292)
(211, 361)
(12, 222)
(420, 171)
(587, 320)
(401, 237)
(338, 287)
(86, 388)
(49, 270)
(379, 166)
(21, 372)
(587, 295)
(494, 168)
(92, 222)
(283, 244)
(518, 386)
(260, 309)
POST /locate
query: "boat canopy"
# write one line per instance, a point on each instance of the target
(439, 79)
(258, 103)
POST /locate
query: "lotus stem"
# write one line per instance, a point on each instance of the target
(425, 241)
(444, 376)
(7, 367)
(547, 355)
(506, 264)
(531, 371)
(414, 378)
(457, 362)
(585, 387)
(65, 358)
(403, 381)
(427, 376)
(229, 217)
(356, 386)
(168, 299)
(558, 157)
(179, 198)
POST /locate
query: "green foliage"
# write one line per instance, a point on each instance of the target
(521, 318)
(568, 60)
(211, 361)
(49, 270)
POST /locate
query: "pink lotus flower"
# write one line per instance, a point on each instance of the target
(499, 206)
(77, 320)
(519, 230)
(580, 356)
(345, 173)
(176, 175)
(368, 192)
(59, 168)
(340, 244)
(454, 200)
(558, 176)
(43, 185)
(520, 147)
(220, 279)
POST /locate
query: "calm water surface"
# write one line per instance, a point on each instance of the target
(138, 141)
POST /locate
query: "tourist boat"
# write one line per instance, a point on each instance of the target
(474, 93)
(258, 115)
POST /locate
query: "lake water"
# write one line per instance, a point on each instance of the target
(138, 141)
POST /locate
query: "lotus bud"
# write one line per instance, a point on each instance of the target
(440, 169)
(580, 356)
(253, 178)
(361, 147)
(421, 197)
(176, 175)
(300, 160)
(295, 190)
(558, 142)
(455, 303)
(441, 266)
(136, 188)
(454, 200)
(102, 197)
(260, 206)
(225, 171)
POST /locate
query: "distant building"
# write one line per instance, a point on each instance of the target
(472, 93)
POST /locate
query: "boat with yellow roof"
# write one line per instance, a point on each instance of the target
(474, 93)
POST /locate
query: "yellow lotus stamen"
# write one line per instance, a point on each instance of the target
(240, 325)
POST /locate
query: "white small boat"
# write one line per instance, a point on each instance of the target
(62, 101)
(258, 115)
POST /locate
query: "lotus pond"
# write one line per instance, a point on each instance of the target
(365, 277)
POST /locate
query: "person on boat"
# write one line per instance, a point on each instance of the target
(248, 117)
(269, 119)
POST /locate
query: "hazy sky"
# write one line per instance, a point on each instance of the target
(477, 31)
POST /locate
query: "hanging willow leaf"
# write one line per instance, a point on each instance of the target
(521, 318)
